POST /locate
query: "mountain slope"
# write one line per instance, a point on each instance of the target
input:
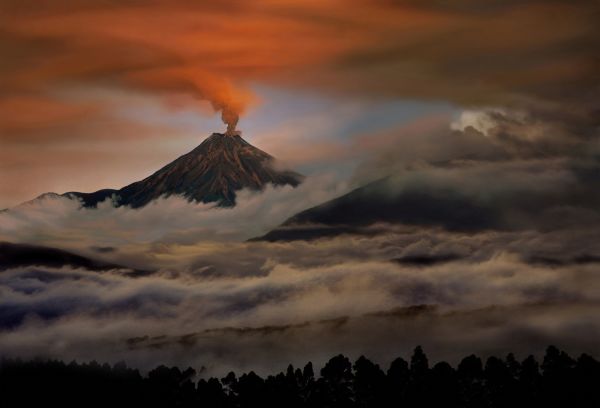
(212, 172)
(383, 201)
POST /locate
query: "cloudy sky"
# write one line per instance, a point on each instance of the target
(99, 94)
(480, 117)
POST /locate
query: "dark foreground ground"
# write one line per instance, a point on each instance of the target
(557, 381)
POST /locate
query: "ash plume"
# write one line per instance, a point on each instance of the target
(230, 118)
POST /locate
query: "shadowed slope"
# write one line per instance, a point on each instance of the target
(382, 202)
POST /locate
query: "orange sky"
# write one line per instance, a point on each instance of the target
(507, 53)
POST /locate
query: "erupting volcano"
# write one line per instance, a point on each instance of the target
(221, 165)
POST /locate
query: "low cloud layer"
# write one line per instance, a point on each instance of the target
(259, 305)
(60, 221)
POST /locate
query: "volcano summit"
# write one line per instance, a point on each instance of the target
(221, 165)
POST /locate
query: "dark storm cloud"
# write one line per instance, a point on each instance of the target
(103, 249)
(544, 134)
(427, 260)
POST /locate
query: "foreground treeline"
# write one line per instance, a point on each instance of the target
(558, 381)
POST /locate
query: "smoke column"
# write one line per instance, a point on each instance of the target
(230, 118)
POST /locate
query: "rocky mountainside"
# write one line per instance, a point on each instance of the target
(221, 165)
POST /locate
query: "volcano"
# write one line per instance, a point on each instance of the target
(221, 165)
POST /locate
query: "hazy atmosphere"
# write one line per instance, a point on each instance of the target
(241, 185)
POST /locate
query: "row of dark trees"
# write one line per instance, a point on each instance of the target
(559, 381)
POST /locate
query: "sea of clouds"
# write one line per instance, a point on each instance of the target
(211, 299)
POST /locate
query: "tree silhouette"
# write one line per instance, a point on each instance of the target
(561, 381)
(369, 382)
(470, 374)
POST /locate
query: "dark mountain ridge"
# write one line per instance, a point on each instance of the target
(382, 201)
(13, 255)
